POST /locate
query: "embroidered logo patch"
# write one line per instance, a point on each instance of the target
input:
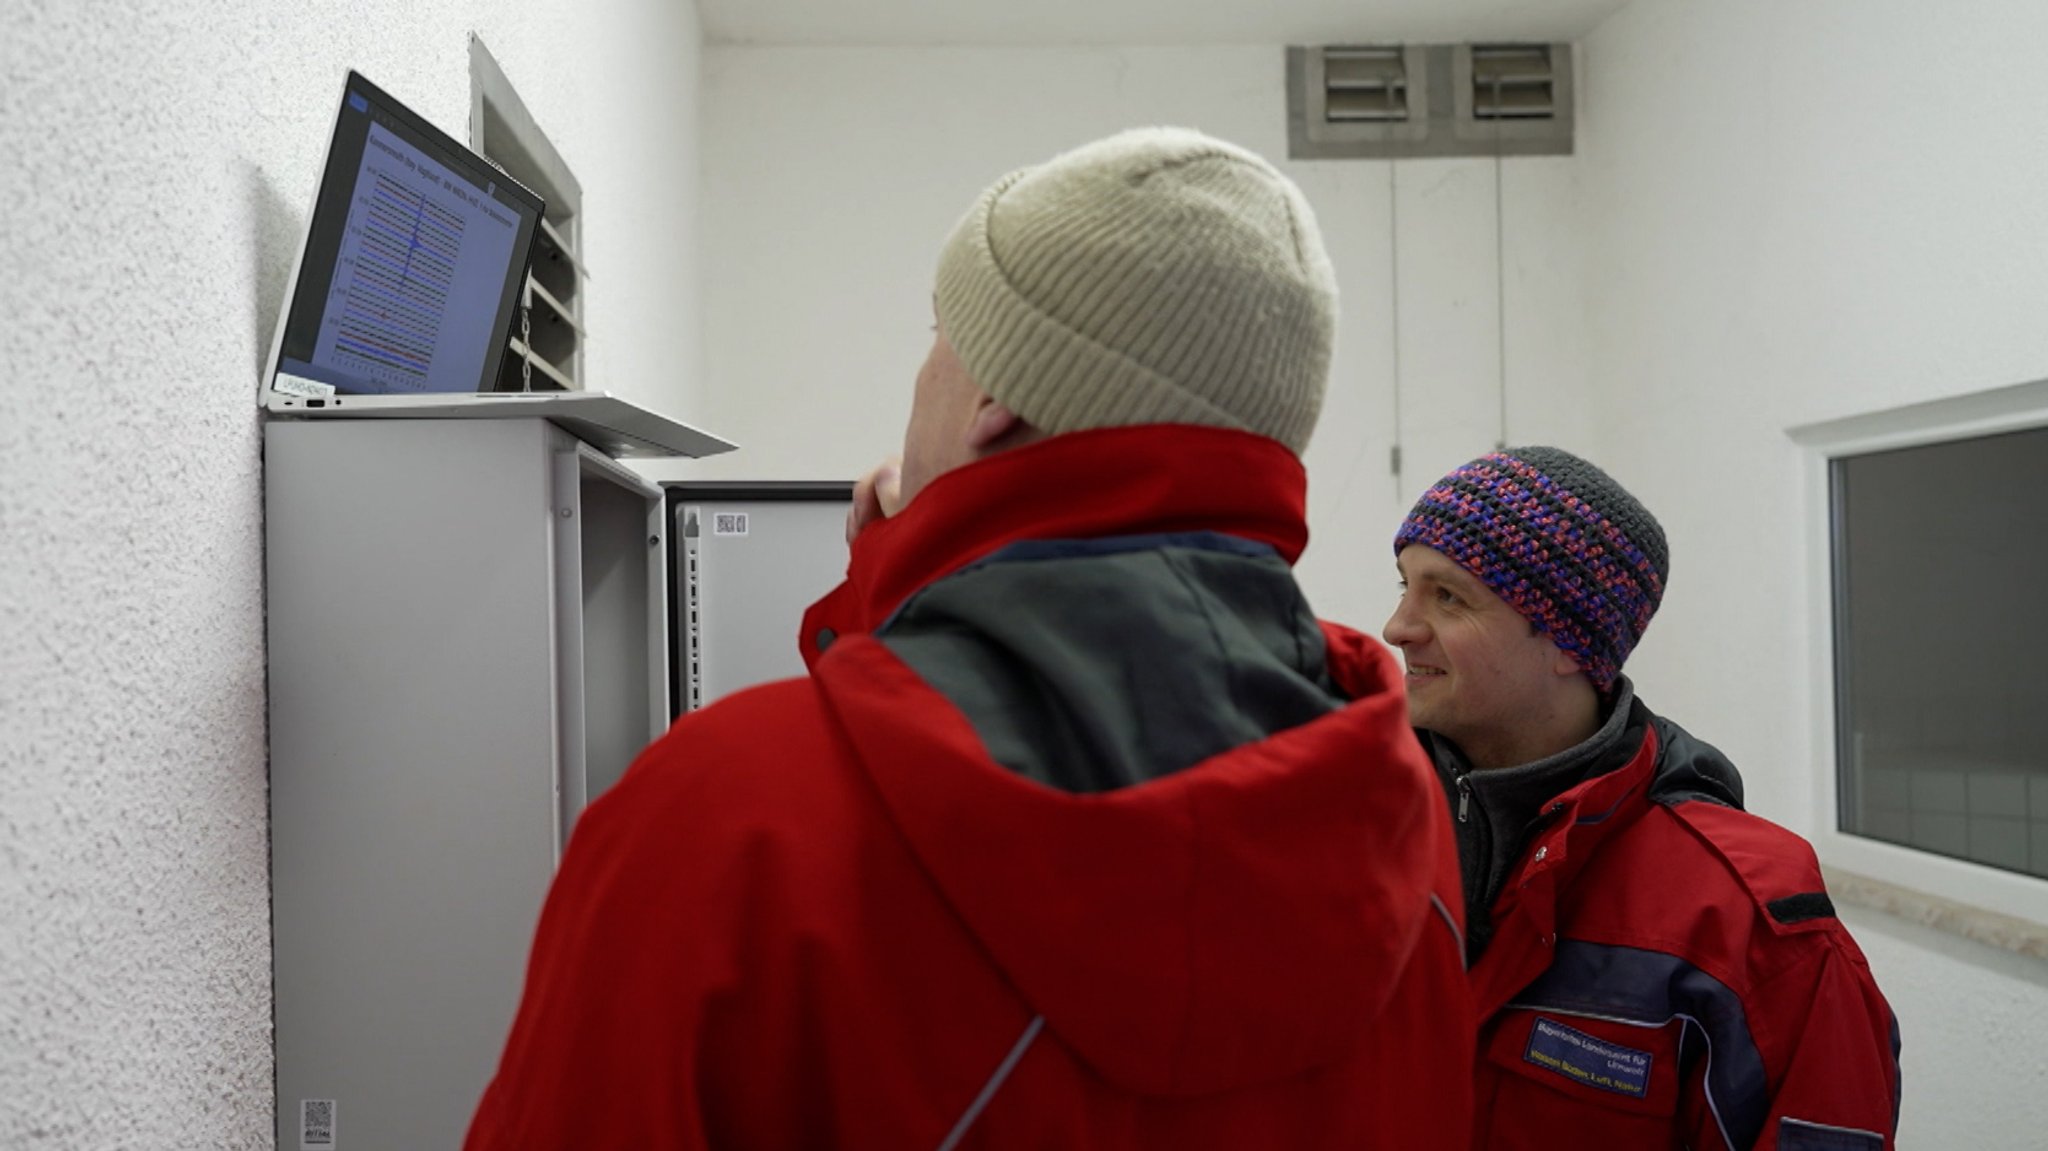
(1589, 1061)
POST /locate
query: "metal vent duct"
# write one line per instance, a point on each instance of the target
(1512, 82)
(1392, 102)
(1364, 84)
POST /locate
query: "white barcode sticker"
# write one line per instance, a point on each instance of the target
(300, 386)
(729, 523)
(316, 1125)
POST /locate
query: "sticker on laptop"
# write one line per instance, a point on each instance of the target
(1588, 1060)
(300, 386)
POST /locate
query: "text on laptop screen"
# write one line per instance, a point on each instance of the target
(414, 261)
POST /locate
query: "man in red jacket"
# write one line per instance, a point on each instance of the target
(1653, 967)
(1081, 832)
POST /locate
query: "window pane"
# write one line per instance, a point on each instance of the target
(1941, 648)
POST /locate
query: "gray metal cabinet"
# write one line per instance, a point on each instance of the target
(748, 558)
(467, 640)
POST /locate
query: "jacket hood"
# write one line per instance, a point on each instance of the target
(1229, 893)
(1690, 768)
(1239, 922)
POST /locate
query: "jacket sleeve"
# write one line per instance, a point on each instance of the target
(637, 945)
(1840, 1088)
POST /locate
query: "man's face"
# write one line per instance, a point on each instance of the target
(1478, 674)
(941, 412)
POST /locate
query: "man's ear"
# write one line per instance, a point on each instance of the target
(992, 421)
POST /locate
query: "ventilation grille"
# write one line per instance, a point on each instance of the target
(1364, 85)
(1513, 82)
(1393, 102)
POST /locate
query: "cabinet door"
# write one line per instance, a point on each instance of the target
(412, 650)
(751, 559)
(611, 601)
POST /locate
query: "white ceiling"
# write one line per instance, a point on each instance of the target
(1146, 22)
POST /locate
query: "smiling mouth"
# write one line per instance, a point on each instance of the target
(1424, 671)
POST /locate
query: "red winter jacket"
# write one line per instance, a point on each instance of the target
(820, 914)
(1667, 971)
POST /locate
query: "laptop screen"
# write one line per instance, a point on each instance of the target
(414, 261)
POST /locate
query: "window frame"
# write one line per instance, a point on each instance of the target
(2020, 407)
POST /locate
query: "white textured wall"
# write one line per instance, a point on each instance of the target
(159, 160)
(832, 177)
(1796, 212)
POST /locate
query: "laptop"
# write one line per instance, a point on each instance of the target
(402, 301)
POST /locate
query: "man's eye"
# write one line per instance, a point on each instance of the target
(1447, 597)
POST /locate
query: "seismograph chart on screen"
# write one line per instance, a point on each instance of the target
(401, 268)
(415, 288)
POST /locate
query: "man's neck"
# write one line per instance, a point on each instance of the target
(1540, 740)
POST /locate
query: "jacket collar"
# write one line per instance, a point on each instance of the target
(1151, 479)
(1568, 834)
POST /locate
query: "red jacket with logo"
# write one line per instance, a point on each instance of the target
(821, 914)
(1667, 971)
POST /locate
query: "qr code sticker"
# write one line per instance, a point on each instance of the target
(316, 1124)
(729, 524)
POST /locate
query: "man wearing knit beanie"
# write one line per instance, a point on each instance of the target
(1082, 830)
(1652, 965)
(1155, 277)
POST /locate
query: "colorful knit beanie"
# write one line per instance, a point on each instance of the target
(1157, 276)
(1560, 541)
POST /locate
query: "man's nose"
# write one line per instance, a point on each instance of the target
(1403, 627)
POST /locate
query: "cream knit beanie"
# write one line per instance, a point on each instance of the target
(1157, 276)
